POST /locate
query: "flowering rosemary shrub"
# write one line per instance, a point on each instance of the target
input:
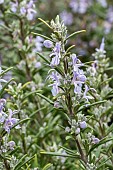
(79, 91)
(55, 105)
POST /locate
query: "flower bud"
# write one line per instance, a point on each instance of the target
(83, 125)
(48, 44)
(77, 131)
(11, 145)
(95, 140)
(67, 129)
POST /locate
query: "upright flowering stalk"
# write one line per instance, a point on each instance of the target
(72, 92)
(99, 79)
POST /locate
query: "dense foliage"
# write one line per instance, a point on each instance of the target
(56, 89)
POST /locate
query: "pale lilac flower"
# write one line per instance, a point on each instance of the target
(28, 10)
(14, 6)
(107, 27)
(74, 5)
(80, 6)
(94, 67)
(77, 131)
(48, 44)
(56, 55)
(2, 114)
(55, 89)
(38, 41)
(1, 80)
(55, 78)
(85, 96)
(83, 125)
(83, 5)
(31, 10)
(102, 45)
(76, 62)
(38, 65)
(67, 129)
(30, 14)
(56, 104)
(2, 103)
(23, 10)
(10, 122)
(78, 75)
(103, 3)
(55, 61)
(77, 89)
(11, 145)
(67, 17)
(95, 140)
(78, 80)
(110, 14)
(1, 1)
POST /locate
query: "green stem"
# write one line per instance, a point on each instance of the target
(7, 166)
(83, 157)
(24, 56)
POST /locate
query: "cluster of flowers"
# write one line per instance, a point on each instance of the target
(26, 8)
(81, 7)
(76, 126)
(71, 86)
(78, 75)
(7, 121)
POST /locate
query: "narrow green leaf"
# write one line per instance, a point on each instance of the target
(110, 129)
(77, 32)
(36, 112)
(47, 61)
(42, 36)
(103, 163)
(3, 72)
(105, 140)
(69, 137)
(47, 166)
(2, 91)
(12, 14)
(18, 168)
(48, 100)
(70, 48)
(25, 85)
(89, 105)
(29, 94)
(70, 152)
(19, 162)
(110, 68)
(13, 151)
(45, 22)
(59, 154)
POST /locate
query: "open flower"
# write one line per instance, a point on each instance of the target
(2, 114)
(55, 78)
(10, 121)
(11, 145)
(56, 54)
(78, 79)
